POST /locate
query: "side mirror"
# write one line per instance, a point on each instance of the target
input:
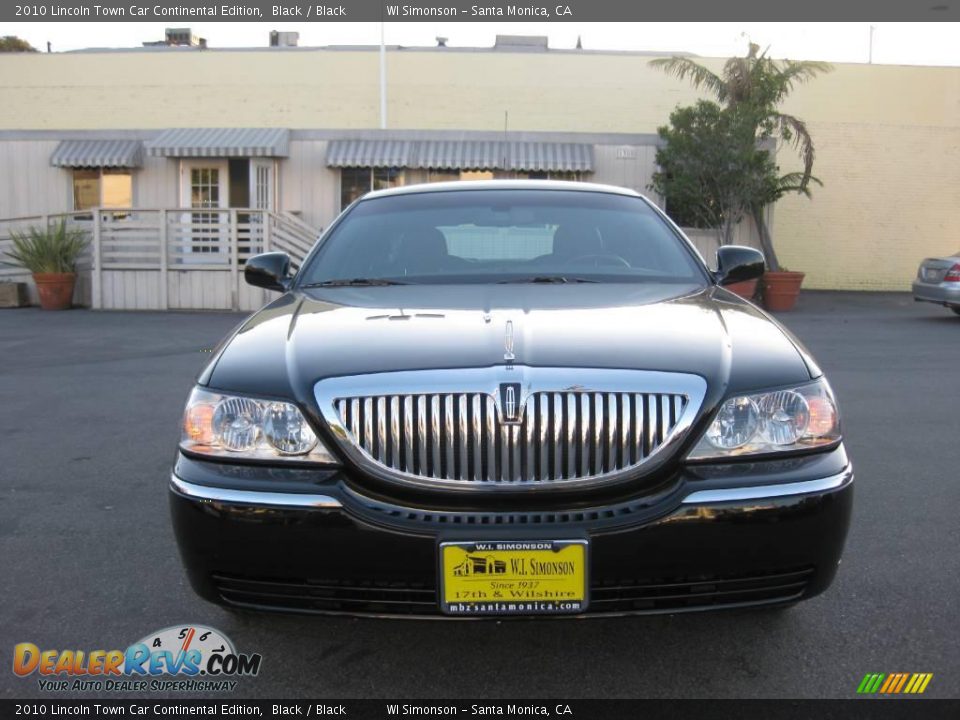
(268, 270)
(736, 263)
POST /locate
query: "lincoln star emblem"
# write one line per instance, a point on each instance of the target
(510, 403)
(508, 343)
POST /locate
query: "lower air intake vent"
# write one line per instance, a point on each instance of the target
(419, 597)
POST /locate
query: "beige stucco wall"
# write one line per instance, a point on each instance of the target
(888, 137)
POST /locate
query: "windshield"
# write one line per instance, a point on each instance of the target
(516, 235)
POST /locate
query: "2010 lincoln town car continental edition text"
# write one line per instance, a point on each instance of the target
(509, 398)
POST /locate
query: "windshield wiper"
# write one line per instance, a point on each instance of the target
(548, 279)
(354, 282)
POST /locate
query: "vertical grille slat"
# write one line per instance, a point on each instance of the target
(490, 439)
(529, 442)
(543, 424)
(597, 420)
(354, 424)
(678, 406)
(651, 440)
(584, 435)
(625, 434)
(612, 432)
(436, 469)
(556, 417)
(367, 443)
(449, 440)
(422, 464)
(408, 427)
(395, 443)
(381, 442)
(463, 472)
(503, 453)
(662, 426)
(639, 415)
(559, 436)
(476, 427)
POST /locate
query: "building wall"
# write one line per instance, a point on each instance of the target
(307, 187)
(888, 137)
(157, 183)
(28, 184)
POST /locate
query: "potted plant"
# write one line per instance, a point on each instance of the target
(51, 254)
(751, 90)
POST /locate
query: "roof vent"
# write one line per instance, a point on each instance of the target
(284, 39)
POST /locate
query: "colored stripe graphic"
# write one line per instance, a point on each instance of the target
(894, 683)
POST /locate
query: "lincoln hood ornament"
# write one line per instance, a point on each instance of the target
(508, 343)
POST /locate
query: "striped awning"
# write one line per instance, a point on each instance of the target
(369, 153)
(98, 153)
(461, 155)
(549, 156)
(221, 142)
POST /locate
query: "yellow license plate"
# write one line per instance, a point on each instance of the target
(515, 577)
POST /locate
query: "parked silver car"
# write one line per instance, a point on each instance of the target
(938, 281)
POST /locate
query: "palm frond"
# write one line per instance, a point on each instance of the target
(790, 73)
(794, 130)
(796, 182)
(700, 77)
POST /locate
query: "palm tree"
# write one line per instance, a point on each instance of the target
(758, 84)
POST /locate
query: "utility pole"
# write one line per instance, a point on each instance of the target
(383, 78)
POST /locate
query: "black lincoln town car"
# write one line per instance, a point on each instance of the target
(509, 398)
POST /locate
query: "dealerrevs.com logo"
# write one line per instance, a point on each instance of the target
(188, 658)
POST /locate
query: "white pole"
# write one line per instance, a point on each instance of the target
(383, 79)
(870, 51)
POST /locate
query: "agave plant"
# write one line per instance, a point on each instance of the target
(48, 250)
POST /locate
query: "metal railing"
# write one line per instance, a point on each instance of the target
(167, 240)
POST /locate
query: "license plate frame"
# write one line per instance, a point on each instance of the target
(513, 577)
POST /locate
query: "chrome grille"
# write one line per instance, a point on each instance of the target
(560, 436)
(560, 427)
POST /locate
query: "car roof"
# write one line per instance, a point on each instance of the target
(479, 185)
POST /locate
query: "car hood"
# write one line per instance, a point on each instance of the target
(306, 336)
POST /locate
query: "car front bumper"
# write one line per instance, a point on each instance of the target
(939, 293)
(731, 535)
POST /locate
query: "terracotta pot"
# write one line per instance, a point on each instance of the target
(745, 288)
(55, 290)
(781, 289)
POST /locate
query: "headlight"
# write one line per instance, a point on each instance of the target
(242, 427)
(778, 421)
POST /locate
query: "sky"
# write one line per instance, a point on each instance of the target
(893, 43)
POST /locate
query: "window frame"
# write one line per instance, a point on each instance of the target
(101, 172)
(371, 178)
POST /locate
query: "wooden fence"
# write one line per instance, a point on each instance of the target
(170, 258)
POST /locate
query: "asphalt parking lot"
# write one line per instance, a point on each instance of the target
(89, 413)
